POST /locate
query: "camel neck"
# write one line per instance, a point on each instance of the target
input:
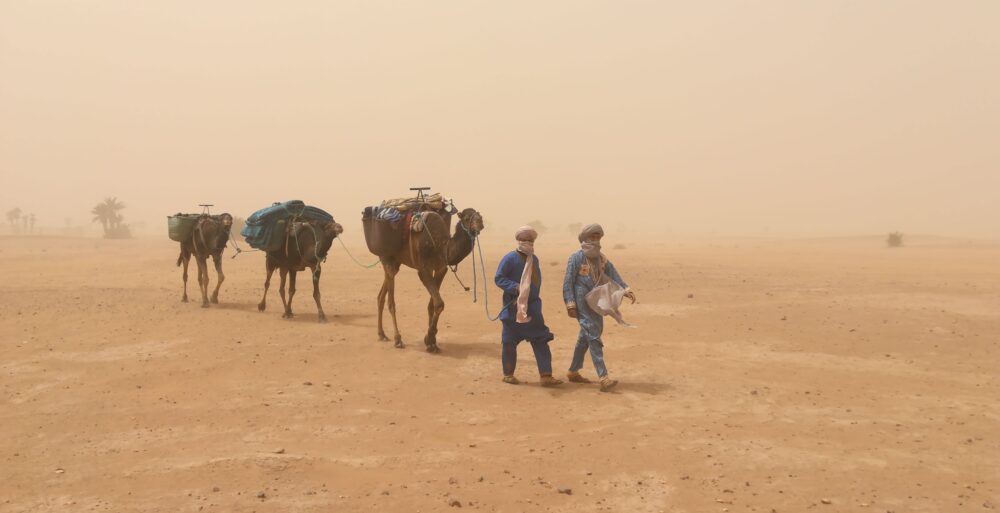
(459, 245)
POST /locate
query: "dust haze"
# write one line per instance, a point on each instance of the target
(780, 118)
(750, 162)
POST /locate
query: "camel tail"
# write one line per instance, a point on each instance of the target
(180, 258)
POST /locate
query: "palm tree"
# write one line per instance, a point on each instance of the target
(107, 214)
(100, 212)
(13, 216)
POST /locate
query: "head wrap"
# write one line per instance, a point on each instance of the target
(526, 232)
(589, 230)
(592, 250)
(525, 236)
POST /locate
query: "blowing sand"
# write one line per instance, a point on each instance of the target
(826, 375)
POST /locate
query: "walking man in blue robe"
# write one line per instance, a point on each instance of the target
(520, 277)
(587, 269)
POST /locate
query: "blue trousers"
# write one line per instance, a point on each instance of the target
(535, 332)
(591, 329)
(596, 348)
(543, 356)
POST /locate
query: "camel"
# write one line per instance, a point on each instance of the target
(208, 238)
(429, 251)
(301, 250)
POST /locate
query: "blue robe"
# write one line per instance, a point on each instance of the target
(508, 278)
(578, 282)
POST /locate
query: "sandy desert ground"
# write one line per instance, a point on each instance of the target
(764, 375)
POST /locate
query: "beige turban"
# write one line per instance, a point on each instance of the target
(526, 232)
(589, 230)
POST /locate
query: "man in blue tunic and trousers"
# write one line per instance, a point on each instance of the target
(587, 269)
(520, 278)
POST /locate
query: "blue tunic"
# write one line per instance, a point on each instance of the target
(508, 278)
(578, 282)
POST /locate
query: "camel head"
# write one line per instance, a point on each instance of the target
(226, 221)
(330, 229)
(471, 221)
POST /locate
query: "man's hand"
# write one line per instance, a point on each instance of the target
(571, 311)
(631, 296)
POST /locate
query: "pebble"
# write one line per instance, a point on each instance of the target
(455, 503)
(566, 491)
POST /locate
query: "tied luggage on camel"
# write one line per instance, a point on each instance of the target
(384, 224)
(266, 228)
(179, 226)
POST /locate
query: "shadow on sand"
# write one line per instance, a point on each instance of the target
(642, 387)
(624, 387)
(224, 305)
(458, 350)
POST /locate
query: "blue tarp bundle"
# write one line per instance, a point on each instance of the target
(265, 228)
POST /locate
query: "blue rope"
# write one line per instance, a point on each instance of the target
(486, 294)
(355, 259)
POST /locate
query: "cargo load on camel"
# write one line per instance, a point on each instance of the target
(267, 228)
(383, 224)
(179, 226)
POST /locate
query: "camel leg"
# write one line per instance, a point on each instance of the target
(381, 305)
(430, 311)
(281, 290)
(267, 284)
(391, 281)
(432, 281)
(222, 277)
(291, 294)
(185, 261)
(316, 295)
(203, 279)
(430, 301)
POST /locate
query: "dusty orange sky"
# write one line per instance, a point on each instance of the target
(720, 118)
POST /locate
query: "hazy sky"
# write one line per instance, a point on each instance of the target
(685, 118)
